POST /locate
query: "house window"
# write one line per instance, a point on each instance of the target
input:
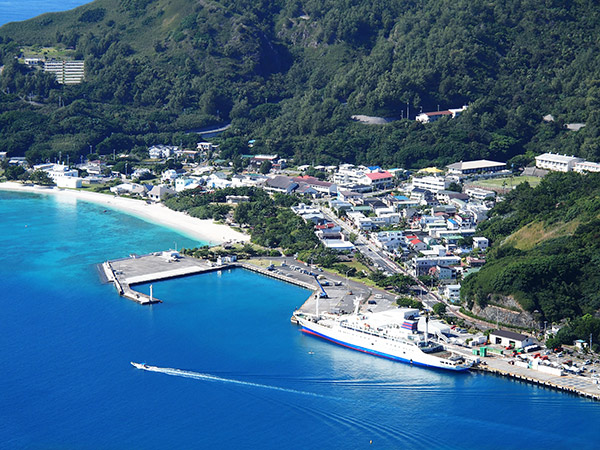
(498, 340)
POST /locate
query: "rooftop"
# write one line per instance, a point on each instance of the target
(379, 175)
(555, 157)
(474, 165)
(509, 335)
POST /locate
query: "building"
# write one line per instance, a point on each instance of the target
(185, 183)
(157, 193)
(443, 272)
(349, 175)
(162, 151)
(236, 199)
(556, 162)
(61, 175)
(379, 180)
(207, 147)
(451, 292)
(480, 194)
(478, 166)
(587, 166)
(510, 339)
(281, 183)
(66, 72)
(421, 265)
(257, 160)
(389, 240)
(359, 220)
(323, 187)
(431, 184)
(481, 242)
(129, 189)
(429, 117)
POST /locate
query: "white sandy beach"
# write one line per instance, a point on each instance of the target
(203, 230)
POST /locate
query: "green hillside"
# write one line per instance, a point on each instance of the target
(290, 74)
(546, 249)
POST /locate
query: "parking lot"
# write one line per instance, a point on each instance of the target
(341, 293)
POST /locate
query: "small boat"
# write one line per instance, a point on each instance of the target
(139, 365)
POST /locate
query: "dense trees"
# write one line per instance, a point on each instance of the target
(291, 75)
(272, 223)
(550, 263)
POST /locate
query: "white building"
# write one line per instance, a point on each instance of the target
(478, 166)
(61, 175)
(480, 194)
(451, 292)
(169, 175)
(207, 146)
(162, 151)
(421, 265)
(481, 242)
(432, 184)
(587, 166)
(428, 117)
(185, 183)
(66, 72)
(378, 180)
(359, 220)
(157, 193)
(510, 339)
(349, 176)
(129, 189)
(389, 240)
(556, 162)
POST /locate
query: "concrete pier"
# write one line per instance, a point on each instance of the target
(127, 272)
(583, 386)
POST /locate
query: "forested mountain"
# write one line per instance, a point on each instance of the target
(291, 73)
(546, 249)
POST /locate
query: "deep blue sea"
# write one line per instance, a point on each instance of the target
(251, 379)
(15, 11)
(246, 377)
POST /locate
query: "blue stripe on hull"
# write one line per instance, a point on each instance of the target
(376, 353)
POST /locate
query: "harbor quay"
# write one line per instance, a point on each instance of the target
(125, 273)
(583, 386)
(330, 293)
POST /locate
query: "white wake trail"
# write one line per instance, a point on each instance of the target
(214, 378)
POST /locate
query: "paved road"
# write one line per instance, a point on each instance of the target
(382, 261)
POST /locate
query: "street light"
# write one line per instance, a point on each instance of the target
(347, 281)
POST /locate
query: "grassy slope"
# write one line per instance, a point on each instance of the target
(536, 233)
(157, 20)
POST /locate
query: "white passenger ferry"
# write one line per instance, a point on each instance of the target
(389, 334)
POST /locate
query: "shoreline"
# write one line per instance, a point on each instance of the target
(204, 230)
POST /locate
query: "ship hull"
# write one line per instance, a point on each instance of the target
(381, 349)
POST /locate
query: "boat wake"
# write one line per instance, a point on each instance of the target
(214, 378)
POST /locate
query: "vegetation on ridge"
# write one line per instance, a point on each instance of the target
(290, 75)
(559, 276)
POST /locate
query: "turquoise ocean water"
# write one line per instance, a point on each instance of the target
(251, 379)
